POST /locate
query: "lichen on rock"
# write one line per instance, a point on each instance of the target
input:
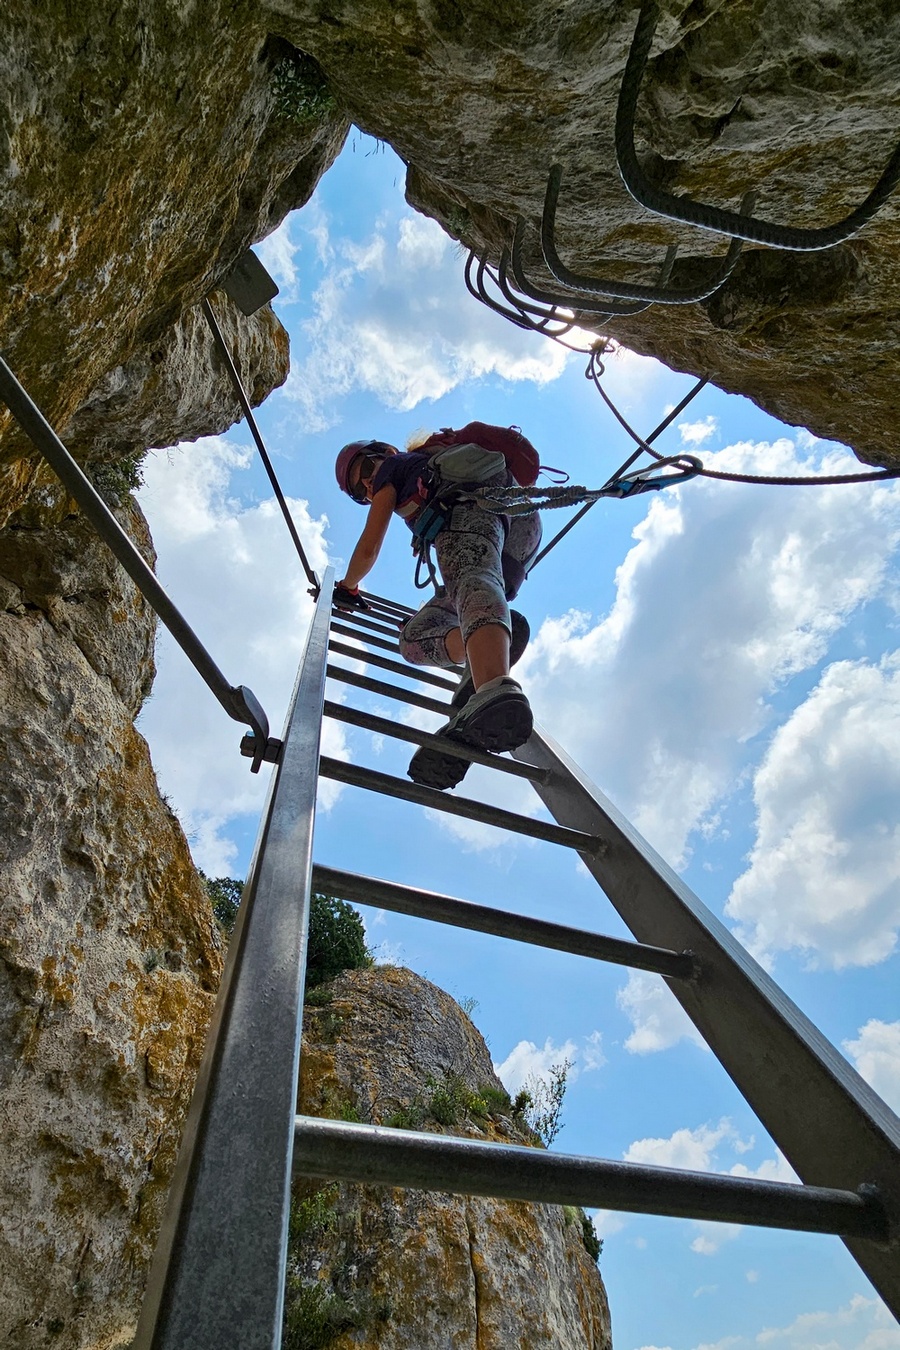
(401, 1269)
(109, 956)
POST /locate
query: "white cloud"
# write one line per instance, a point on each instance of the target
(607, 1222)
(693, 1150)
(232, 571)
(278, 255)
(713, 1237)
(526, 1060)
(698, 1150)
(770, 1169)
(727, 593)
(863, 1324)
(393, 317)
(824, 872)
(658, 1019)
(695, 433)
(876, 1054)
(592, 1056)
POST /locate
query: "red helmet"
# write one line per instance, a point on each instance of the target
(348, 456)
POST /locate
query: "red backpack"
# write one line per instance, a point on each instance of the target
(522, 460)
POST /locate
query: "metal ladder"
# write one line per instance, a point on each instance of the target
(218, 1272)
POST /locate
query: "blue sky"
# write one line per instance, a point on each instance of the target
(722, 660)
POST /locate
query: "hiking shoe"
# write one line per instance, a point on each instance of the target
(430, 768)
(498, 717)
(518, 641)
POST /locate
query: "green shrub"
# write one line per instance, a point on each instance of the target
(320, 997)
(496, 1100)
(225, 895)
(406, 1117)
(116, 480)
(313, 1213)
(337, 940)
(301, 92)
(314, 1314)
(540, 1102)
(593, 1243)
(586, 1231)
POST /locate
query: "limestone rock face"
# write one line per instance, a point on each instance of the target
(109, 956)
(798, 102)
(143, 148)
(178, 388)
(400, 1270)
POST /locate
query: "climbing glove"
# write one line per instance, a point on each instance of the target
(348, 597)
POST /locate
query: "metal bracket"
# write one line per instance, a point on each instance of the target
(271, 753)
(626, 290)
(739, 226)
(248, 284)
(247, 708)
(603, 309)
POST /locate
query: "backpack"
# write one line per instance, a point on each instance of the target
(522, 460)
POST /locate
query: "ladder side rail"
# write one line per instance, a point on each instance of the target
(833, 1128)
(379, 1155)
(217, 1276)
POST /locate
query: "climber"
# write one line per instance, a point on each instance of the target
(482, 559)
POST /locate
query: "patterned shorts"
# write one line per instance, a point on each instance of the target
(481, 566)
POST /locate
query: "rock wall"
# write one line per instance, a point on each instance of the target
(798, 102)
(400, 1270)
(143, 146)
(109, 956)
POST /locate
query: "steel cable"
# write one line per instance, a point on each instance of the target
(690, 212)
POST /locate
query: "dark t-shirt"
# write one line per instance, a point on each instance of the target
(404, 472)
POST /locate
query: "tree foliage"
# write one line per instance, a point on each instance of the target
(337, 940)
(225, 895)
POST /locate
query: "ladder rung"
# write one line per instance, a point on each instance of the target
(400, 667)
(346, 631)
(501, 923)
(387, 690)
(383, 726)
(375, 781)
(370, 641)
(389, 606)
(354, 617)
(373, 1154)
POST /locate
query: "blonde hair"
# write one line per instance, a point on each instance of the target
(418, 438)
